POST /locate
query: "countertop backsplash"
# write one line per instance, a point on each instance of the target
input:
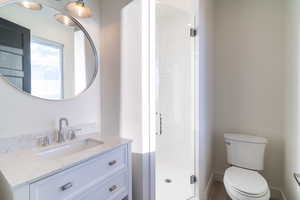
(28, 141)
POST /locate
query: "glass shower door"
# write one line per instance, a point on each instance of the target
(175, 141)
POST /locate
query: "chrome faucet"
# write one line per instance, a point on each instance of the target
(60, 134)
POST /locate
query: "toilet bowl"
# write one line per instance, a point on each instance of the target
(244, 184)
(245, 155)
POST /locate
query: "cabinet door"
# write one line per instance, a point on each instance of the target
(115, 188)
(20, 193)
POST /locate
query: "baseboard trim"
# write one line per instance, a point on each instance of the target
(283, 196)
(208, 187)
(275, 191)
(218, 176)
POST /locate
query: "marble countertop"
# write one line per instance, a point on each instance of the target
(25, 166)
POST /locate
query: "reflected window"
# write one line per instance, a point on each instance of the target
(46, 68)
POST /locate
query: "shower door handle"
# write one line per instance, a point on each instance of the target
(160, 124)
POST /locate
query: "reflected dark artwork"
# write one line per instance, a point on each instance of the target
(45, 57)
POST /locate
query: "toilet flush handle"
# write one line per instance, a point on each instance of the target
(297, 178)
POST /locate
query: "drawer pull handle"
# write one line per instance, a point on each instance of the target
(66, 186)
(111, 163)
(113, 188)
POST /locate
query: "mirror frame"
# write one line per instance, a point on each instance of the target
(94, 49)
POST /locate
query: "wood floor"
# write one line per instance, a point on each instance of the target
(218, 192)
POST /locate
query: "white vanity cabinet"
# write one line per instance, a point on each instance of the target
(104, 177)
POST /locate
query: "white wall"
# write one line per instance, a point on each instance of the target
(292, 91)
(249, 77)
(131, 111)
(187, 5)
(131, 75)
(110, 64)
(205, 95)
(22, 114)
(122, 81)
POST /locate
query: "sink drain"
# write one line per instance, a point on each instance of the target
(168, 180)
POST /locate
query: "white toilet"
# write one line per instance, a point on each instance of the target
(245, 154)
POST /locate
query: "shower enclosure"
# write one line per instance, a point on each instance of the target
(175, 135)
(158, 92)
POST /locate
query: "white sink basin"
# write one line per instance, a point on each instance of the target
(69, 148)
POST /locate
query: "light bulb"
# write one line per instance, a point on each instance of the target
(79, 9)
(31, 5)
(64, 19)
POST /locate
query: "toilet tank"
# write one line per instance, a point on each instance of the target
(245, 151)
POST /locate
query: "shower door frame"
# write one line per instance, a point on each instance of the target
(152, 99)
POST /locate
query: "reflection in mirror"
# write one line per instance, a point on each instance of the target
(44, 52)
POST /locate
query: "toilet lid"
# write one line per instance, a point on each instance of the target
(247, 181)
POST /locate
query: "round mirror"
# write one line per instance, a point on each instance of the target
(45, 52)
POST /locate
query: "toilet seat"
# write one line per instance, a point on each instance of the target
(243, 184)
(238, 196)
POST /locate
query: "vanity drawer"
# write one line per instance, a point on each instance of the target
(115, 188)
(78, 179)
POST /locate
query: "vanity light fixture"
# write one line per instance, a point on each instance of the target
(31, 5)
(64, 19)
(79, 9)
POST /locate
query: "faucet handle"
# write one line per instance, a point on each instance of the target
(43, 141)
(72, 133)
